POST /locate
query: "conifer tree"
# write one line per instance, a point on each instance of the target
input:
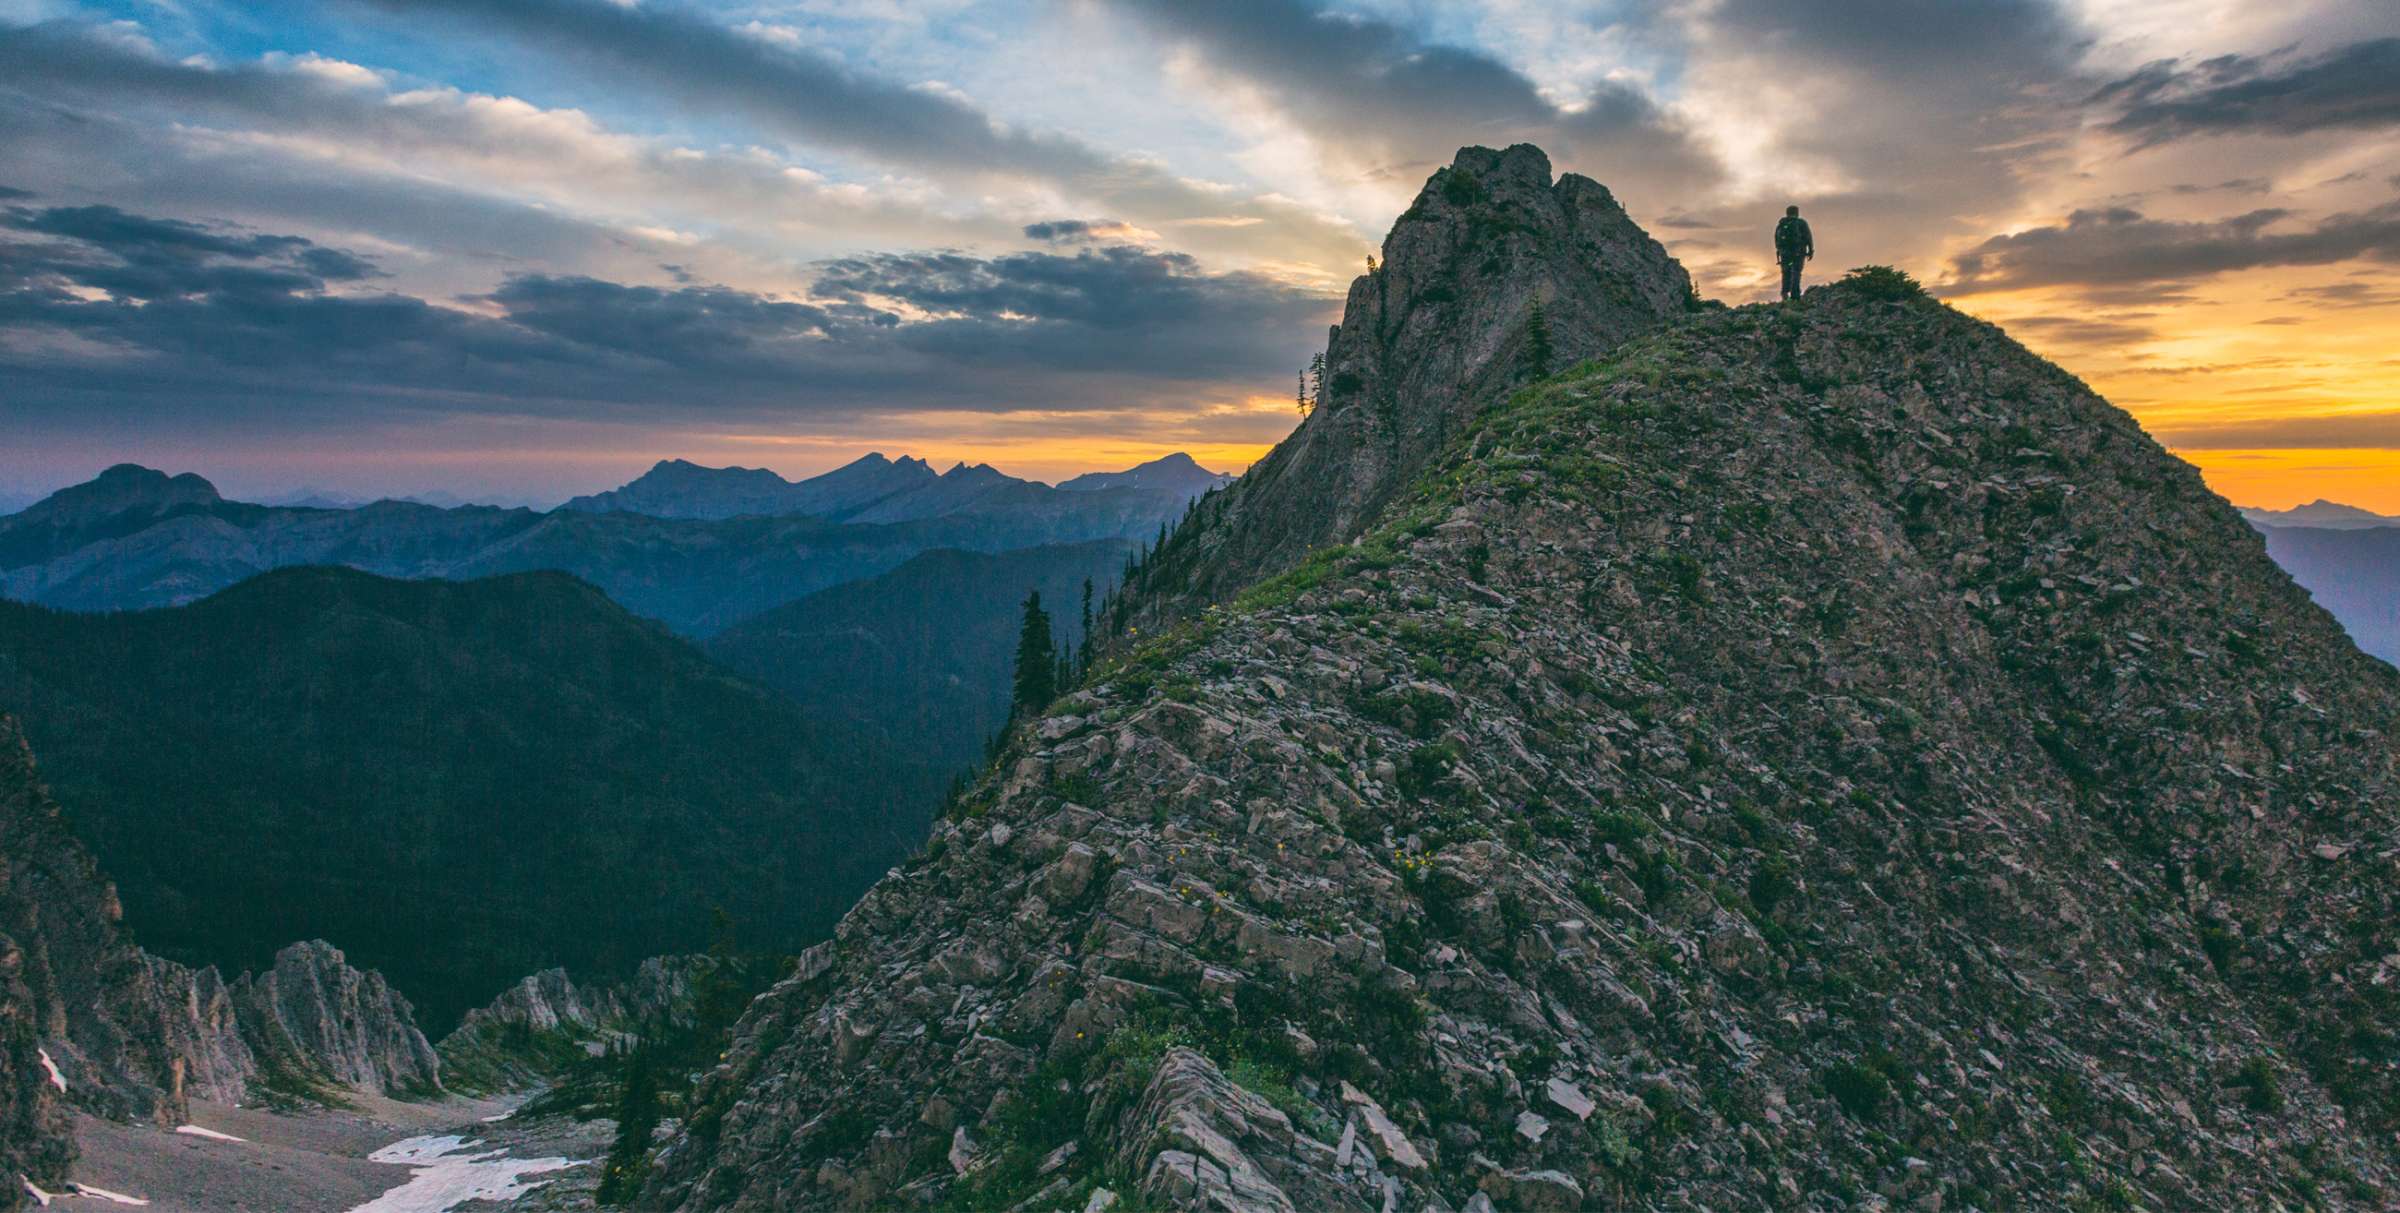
(1316, 380)
(1301, 399)
(1537, 340)
(637, 1112)
(1037, 660)
(1085, 641)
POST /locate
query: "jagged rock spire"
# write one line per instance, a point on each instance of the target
(1433, 336)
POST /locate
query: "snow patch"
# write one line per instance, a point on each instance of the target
(56, 1079)
(450, 1173)
(39, 1197)
(114, 1198)
(211, 1134)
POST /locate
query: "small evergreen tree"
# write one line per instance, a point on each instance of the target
(1084, 642)
(1316, 380)
(1037, 659)
(1301, 399)
(637, 1114)
(1537, 340)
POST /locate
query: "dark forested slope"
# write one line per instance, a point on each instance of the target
(460, 782)
(922, 655)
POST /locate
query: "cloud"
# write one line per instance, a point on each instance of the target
(1370, 90)
(2121, 247)
(2081, 330)
(171, 314)
(2355, 87)
(794, 88)
(1087, 231)
(2347, 295)
(809, 96)
(2323, 432)
(145, 260)
(1113, 307)
(346, 123)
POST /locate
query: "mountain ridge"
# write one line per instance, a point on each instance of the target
(2328, 515)
(697, 575)
(1817, 752)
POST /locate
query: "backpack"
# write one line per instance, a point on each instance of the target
(1791, 235)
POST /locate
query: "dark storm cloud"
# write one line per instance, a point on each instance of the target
(195, 311)
(2354, 87)
(1357, 82)
(2120, 247)
(8, 194)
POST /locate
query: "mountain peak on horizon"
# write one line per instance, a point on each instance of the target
(124, 487)
(2322, 513)
(1177, 470)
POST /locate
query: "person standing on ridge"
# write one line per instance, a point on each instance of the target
(1793, 246)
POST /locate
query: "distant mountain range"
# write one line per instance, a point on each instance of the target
(2353, 572)
(675, 488)
(875, 489)
(2323, 515)
(461, 781)
(695, 548)
(2348, 559)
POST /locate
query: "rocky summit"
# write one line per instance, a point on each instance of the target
(1444, 324)
(1815, 756)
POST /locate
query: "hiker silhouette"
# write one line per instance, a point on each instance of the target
(1794, 245)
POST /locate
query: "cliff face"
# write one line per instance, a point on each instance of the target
(36, 1147)
(120, 1033)
(1820, 756)
(547, 1021)
(89, 989)
(315, 1018)
(1442, 330)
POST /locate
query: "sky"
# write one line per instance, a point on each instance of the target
(520, 249)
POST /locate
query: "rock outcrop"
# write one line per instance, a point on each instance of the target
(1441, 329)
(120, 1033)
(1816, 756)
(36, 1144)
(314, 1019)
(91, 995)
(539, 1025)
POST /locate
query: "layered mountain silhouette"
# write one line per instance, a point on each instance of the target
(2322, 514)
(676, 488)
(459, 782)
(695, 548)
(920, 657)
(2348, 559)
(1812, 755)
(2353, 572)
